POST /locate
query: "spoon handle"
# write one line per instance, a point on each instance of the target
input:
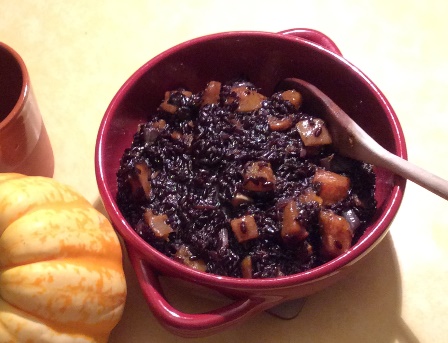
(406, 169)
(352, 141)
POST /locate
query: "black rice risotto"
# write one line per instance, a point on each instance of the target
(232, 182)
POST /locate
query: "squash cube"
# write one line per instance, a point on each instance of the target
(158, 225)
(276, 124)
(309, 196)
(211, 93)
(291, 227)
(246, 267)
(249, 100)
(335, 232)
(141, 179)
(184, 255)
(244, 228)
(333, 187)
(313, 132)
(259, 177)
(294, 97)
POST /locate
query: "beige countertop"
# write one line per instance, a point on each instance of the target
(80, 52)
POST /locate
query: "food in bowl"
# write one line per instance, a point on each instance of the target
(232, 182)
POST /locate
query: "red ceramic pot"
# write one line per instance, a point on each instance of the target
(265, 58)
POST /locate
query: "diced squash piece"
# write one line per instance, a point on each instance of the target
(335, 232)
(308, 248)
(259, 177)
(158, 225)
(170, 108)
(187, 139)
(159, 124)
(333, 187)
(152, 132)
(282, 124)
(240, 199)
(141, 179)
(244, 228)
(313, 132)
(186, 257)
(249, 100)
(143, 176)
(309, 196)
(211, 93)
(294, 97)
(291, 228)
(246, 267)
(176, 135)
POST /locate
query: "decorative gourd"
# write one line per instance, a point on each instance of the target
(61, 272)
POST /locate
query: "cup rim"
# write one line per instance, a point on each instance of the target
(134, 242)
(24, 91)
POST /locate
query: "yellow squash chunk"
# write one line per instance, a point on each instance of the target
(157, 224)
(294, 97)
(170, 108)
(240, 199)
(313, 132)
(141, 180)
(282, 124)
(335, 232)
(249, 100)
(333, 187)
(259, 177)
(310, 196)
(167, 107)
(246, 267)
(291, 227)
(244, 228)
(211, 93)
(184, 255)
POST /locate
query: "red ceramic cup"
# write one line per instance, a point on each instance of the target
(265, 59)
(24, 144)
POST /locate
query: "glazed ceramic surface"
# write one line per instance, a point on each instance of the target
(24, 143)
(265, 59)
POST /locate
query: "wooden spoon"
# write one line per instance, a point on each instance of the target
(350, 140)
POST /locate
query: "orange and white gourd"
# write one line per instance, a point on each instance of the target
(61, 272)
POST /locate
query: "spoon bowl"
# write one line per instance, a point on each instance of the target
(350, 140)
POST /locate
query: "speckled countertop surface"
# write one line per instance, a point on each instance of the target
(80, 52)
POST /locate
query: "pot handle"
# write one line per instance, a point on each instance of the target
(186, 324)
(313, 36)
